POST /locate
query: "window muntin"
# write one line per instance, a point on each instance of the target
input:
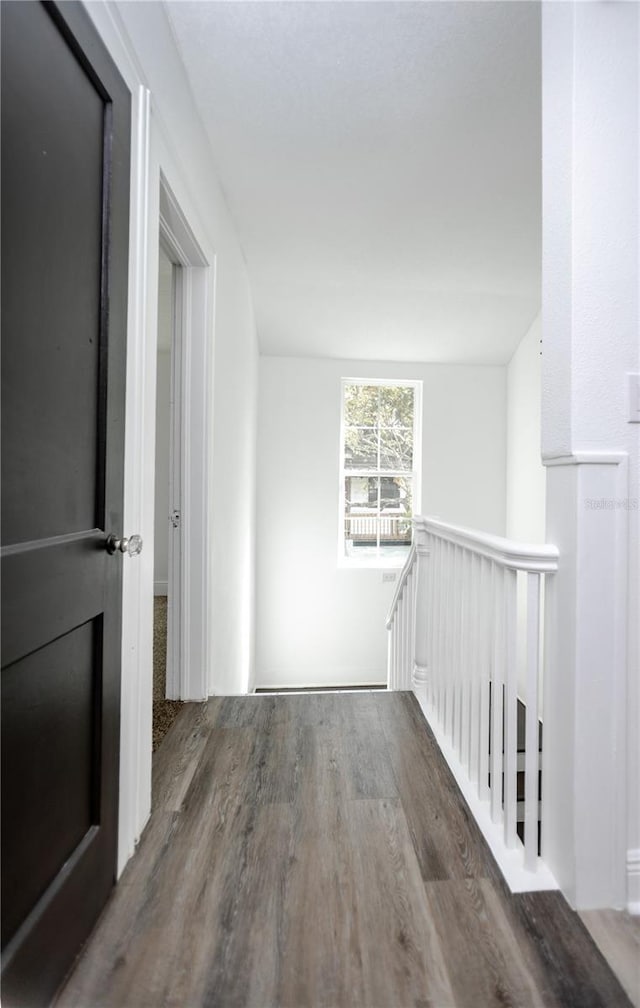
(379, 472)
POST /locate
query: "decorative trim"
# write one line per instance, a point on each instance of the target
(585, 458)
(135, 728)
(633, 881)
(420, 676)
(160, 587)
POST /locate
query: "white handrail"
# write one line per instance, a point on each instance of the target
(465, 634)
(409, 562)
(517, 556)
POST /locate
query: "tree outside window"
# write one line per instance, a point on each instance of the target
(379, 468)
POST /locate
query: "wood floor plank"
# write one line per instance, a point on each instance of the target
(403, 961)
(483, 961)
(367, 764)
(570, 969)
(322, 927)
(276, 764)
(241, 912)
(324, 777)
(617, 935)
(256, 712)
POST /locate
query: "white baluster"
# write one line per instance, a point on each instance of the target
(466, 656)
(531, 767)
(410, 625)
(396, 660)
(451, 640)
(399, 641)
(408, 653)
(405, 635)
(421, 617)
(436, 670)
(454, 638)
(411, 612)
(511, 711)
(431, 624)
(459, 649)
(475, 668)
(484, 670)
(497, 681)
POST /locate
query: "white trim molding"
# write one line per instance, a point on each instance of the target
(137, 644)
(633, 882)
(585, 785)
(188, 657)
(585, 458)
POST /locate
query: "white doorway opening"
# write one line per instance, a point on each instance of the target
(185, 354)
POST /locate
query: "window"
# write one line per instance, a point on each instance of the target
(379, 477)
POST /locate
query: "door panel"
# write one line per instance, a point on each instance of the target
(34, 691)
(65, 179)
(56, 183)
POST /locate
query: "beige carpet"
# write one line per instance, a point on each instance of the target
(164, 711)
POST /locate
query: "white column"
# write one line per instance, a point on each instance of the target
(590, 343)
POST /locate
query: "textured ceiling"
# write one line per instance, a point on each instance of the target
(382, 163)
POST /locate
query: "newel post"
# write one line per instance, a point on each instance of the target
(421, 610)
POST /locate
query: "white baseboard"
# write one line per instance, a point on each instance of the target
(276, 679)
(338, 682)
(160, 587)
(633, 881)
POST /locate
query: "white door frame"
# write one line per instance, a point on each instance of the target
(172, 528)
(152, 197)
(187, 646)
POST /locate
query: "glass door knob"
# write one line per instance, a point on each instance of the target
(132, 545)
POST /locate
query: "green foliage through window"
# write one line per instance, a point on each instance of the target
(378, 466)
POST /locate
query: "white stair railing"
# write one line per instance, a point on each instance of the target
(465, 634)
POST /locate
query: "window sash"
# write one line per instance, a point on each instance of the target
(381, 519)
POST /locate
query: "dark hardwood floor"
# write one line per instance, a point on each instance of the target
(313, 851)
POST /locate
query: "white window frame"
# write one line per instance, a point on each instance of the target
(379, 562)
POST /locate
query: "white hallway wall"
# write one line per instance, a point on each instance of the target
(318, 623)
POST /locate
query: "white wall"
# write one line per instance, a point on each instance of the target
(526, 476)
(318, 623)
(163, 387)
(167, 137)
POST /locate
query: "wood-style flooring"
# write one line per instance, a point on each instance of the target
(313, 851)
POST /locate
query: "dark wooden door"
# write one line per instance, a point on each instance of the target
(65, 185)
